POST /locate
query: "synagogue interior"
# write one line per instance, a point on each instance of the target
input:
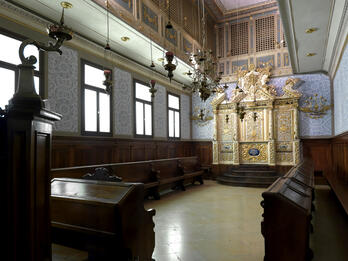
(191, 130)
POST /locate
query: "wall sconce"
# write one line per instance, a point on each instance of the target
(255, 116)
(240, 111)
(315, 107)
(201, 116)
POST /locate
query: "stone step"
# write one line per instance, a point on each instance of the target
(267, 179)
(251, 173)
(257, 184)
(254, 167)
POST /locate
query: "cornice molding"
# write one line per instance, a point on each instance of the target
(17, 15)
(340, 42)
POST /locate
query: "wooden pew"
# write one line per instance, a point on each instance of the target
(192, 169)
(107, 219)
(140, 172)
(154, 174)
(286, 224)
(169, 173)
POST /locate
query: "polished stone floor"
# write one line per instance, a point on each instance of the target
(214, 222)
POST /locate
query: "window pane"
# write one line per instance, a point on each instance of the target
(104, 112)
(37, 84)
(9, 48)
(171, 123)
(7, 87)
(177, 124)
(148, 119)
(173, 102)
(94, 76)
(90, 110)
(139, 117)
(142, 92)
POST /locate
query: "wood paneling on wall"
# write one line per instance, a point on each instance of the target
(80, 151)
(320, 151)
(338, 177)
(331, 157)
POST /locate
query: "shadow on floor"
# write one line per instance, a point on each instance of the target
(329, 240)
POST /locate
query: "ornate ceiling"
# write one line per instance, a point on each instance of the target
(227, 5)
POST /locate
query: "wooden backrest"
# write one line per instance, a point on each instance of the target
(134, 171)
(168, 167)
(102, 174)
(190, 164)
(139, 171)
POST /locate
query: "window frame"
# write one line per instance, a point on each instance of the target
(98, 90)
(135, 81)
(175, 110)
(13, 67)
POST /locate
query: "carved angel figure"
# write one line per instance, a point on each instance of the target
(288, 87)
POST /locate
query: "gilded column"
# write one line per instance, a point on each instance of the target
(235, 138)
(271, 143)
(296, 145)
(215, 142)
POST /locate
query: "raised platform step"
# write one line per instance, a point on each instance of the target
(253, 173)
(249, 176)
(244, 183)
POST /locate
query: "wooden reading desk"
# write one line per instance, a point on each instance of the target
(107, 219)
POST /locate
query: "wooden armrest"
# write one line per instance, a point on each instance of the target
(152, 212)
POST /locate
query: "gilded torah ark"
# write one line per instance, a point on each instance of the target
(255, 126)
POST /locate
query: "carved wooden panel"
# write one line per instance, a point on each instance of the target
(79, 151)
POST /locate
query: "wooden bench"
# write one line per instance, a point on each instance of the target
(192, 169)
(169, 172)
(286, 224)
(154, 174)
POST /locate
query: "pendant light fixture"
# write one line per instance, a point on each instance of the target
(107, 52)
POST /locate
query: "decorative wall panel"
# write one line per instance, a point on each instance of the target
(126, 4)
(172, 36)
(63, 88)
(311, 84)
(340, 83)
(123, 102)
(265, 60)
(149, 17)
(185, 117)
(160, 112)
(187, 45)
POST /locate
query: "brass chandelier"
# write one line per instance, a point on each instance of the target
(205, 75)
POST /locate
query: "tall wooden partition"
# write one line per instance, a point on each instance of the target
(25, 152)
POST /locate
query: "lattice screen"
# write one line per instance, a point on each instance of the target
(265, 37)
(157, 2)
(173, 7)
(188, 17)
(240, 38)
(221, 41)
(211, 34)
